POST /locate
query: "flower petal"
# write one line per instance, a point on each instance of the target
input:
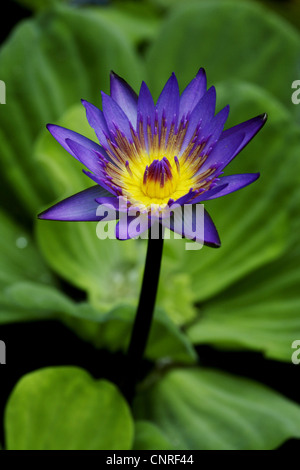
(79, 207)
(117, 203)
(101, 181)
(61, 134)
(210, 194)
(115, 117)
(146, 109)
(211, 236)
(91, 159)
(195, 227)
(250, 128)
(192, 94)
(223, 152)
(96, 120)
(184, 199)
(215, 127)
(130, 226)
(201, 115)
(168, 102)
(229, 184)
(124, 95)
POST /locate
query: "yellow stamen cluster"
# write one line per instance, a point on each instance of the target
(151, 173)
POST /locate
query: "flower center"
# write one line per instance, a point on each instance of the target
(159, 181)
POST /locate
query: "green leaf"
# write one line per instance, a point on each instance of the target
(149, 437)
(207, 410)
(260, 312)
(49, 63)
(21, 265)
(136, 20)
(218, 35)
(63, 408)
(23, 301)
(113, 329)
(19, 258)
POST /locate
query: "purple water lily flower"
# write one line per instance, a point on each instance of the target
(152, 157)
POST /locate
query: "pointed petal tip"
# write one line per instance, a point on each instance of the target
(41, 215)
(46, 215)
(264, 116)
(213, 245)
(201, 73)
(51, 127)
(115, 76)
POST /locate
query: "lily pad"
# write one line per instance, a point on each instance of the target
(63, 408)
(209, 410)
(219, 36)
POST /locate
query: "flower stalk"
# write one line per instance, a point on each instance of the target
(144, 315)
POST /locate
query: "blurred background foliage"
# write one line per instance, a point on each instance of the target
(242, 297)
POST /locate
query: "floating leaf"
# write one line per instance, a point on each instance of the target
(63, 408)
(207, 410)
(218, 35)
(260, 312)
(149, 437)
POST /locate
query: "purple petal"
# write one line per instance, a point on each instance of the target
(101, 181)
(210, 194)
(91, 159)
(211, 236)
(115, 117)
(130, 226)
(96, 120)
(192, 94)
(146, 109)
(223, 152)
(117, 202)
(250, 128)
(61, 134)
(79, 207)
(184, 199)
(201, 115)
(168, 102)
(229, 184)
(194, 227)
(124, 95)
(215, 127)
